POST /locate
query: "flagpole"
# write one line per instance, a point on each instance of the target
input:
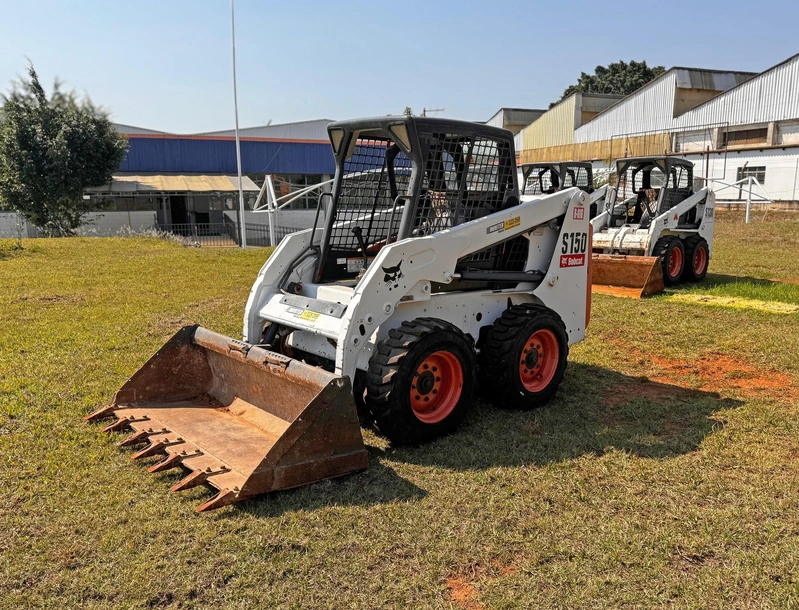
(236, 112)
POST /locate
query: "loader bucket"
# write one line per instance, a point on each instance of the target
(239, 418)
(630, 276)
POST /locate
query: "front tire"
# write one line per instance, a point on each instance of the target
(671, 251)
(524, 356)
(421, 381)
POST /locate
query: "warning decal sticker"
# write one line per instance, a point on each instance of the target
(504, 226)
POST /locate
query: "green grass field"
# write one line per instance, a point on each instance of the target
(665, 474)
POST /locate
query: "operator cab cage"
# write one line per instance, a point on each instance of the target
(546, 178)
(400, 176)
(649, 186)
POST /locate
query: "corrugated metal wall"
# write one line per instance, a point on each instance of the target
(649, 109)
(604, 150)
(176, 154)
(554, 128)
(770, 96)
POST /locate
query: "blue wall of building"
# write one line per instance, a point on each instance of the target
(219, 156)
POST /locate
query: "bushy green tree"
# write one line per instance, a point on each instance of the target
(619, 78)
(50, 150)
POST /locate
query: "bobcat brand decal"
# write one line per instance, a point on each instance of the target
(392, 275)
(573, 249)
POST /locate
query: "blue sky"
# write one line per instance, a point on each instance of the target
(166, 65)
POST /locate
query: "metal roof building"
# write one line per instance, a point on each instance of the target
(653, 107)
(772, 95)
(290, 148)
(514, 119)
(304, 131)
(557, 126)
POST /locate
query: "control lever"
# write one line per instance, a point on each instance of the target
(358, 232)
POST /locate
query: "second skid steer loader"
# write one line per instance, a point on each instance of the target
(544, 178)
(653, 230)
(423, 276)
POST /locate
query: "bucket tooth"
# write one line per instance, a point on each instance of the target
(198, 477)
(154, 448)
(101, 413)
(172, 461)
(226, 497)
(120, 424)
(135, 439)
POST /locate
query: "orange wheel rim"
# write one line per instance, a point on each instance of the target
(700, 260)
(539, 360)
(436, 387)
(675, 262)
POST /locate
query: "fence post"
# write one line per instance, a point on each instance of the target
(748, 197)
(271, 209)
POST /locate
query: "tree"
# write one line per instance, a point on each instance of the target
(52, 149)
(408, 111)
(620, 78)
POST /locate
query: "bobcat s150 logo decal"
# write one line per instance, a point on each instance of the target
(573, 249)
(392, 275)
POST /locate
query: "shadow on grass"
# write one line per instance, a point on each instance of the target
(594, 411)
(378, 484)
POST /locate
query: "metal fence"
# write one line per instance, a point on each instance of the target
(224, 235)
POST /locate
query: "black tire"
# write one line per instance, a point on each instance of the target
(697, 258)
(671, 251)
(394, 371)
(359, 394)
(503, 356)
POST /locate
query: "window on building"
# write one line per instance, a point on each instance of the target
(756, 171)
(745, 136)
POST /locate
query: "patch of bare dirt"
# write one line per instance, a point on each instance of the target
(463, 593)
(717, 372)
(461, 586)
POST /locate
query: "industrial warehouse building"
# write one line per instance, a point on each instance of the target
(181, 182)
(732, 125)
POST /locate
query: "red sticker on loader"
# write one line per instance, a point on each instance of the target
(572, 260)
(579, 213)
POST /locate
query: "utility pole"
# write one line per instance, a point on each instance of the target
(426, 110)
(236, 113)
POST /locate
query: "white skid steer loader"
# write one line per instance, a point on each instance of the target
(544, 178)
(426, 278)
(654, 230)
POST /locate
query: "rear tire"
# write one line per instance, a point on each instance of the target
(671, 251)
(697, 258)
(421, 381)
(524, 356)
